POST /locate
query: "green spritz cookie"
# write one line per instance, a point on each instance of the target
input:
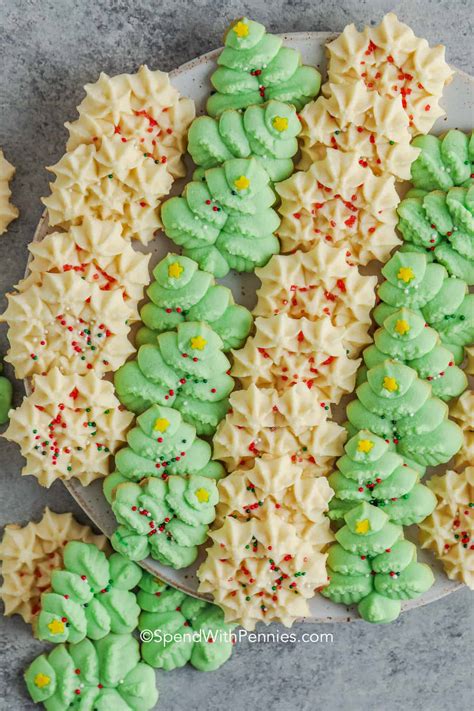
(371, 471)
(254, 67)
(185, 629)
(414, 282)
(443, 162)
(186, 369)
(406, 337)
(182, 292)
(90, 597)
(268, 133)
(106, 675)
(6, 394)
(443, 224)
(162, 444)
(165, 518)
(373, 566)
(225, 220)
(399, 407)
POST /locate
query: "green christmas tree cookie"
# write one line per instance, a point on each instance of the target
(165, 518)
(186, 369)
(225, 221)
(373, 566)
(406, 337)
(6, 394)
(444, 302)
(90, 597)
(254, 67)
(442, 223)
(186, 629)
(182, 292)
(162, 444)
(399, 407)
(268, 133)
(371, 471)
(443, 162)
(106, 675)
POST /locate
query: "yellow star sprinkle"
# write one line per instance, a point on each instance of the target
(242, 183)
(175, 270)
(365, 445)
(390, 384)
(363, 526)
(280, 123)
(402, 326)
(161, 424)
(198, 343)
(241, 29)
(405, 274)
(56, 627)
(41, 680)
(202, 495)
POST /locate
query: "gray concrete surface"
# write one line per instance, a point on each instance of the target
(48, 50)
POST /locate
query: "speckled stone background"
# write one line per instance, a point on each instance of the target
(48, 50)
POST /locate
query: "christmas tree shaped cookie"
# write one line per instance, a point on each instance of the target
(204, 639)
(370, 471)
(443, 162)
(405, 337)
(6, 394)
(254, 67)
(90, 597)
(268, 133)
(399, 407)
(442, 223)
(165, 518)
(103, 675)
(225, 220)
(371, 565)
(161, 444)
(182, 292)
(414, 282)
(186, 369)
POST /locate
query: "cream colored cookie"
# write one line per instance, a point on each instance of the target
(353, 119)
(68, 323)
(341, 203)
(287, 351)
(318, 284)
(278, 484)
(393, 62)
(97, 252)
(449, 531)
(29, 554)
(143, 107)
(68, 427)
(113, 181)
(261, 571)
(8, 212)
(462, 412)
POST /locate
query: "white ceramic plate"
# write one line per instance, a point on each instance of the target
(192, 79)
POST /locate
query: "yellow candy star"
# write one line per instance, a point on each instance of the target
(365, 445)
(405, 274)
(402, 326)
(198, 343)
(241, 29)
(280, 123)
(242, 183)
(41, 680)
(363, 526)
(161, 424)
(390, 384)
(175, 270)
(56, 627)
(202, 495)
